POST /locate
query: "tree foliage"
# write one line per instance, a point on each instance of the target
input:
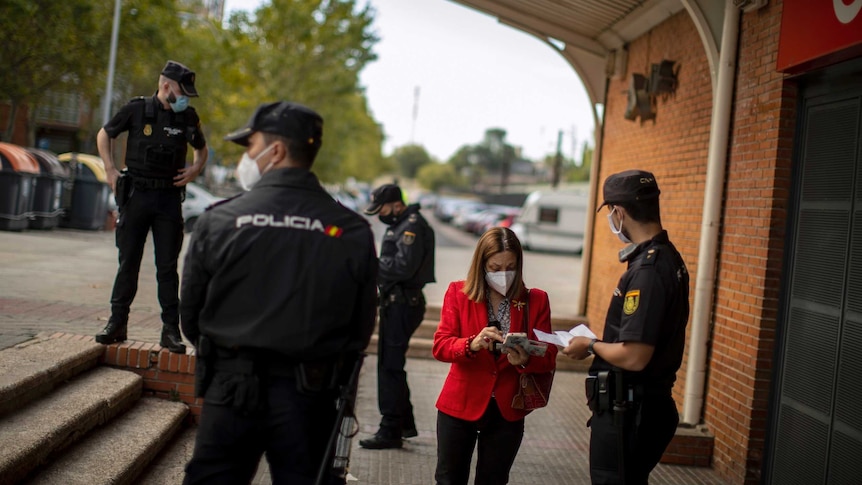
(434, 176)
(308, 51)
(410, 158)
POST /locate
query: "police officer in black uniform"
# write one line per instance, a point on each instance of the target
(150, 192)
(279, 294)
(635, 363)
(406, 265)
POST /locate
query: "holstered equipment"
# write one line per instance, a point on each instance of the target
(124, 189)
(204, 365)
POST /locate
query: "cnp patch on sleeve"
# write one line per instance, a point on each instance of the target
(630, 305)
(409, 237)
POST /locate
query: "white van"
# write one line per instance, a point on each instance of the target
(553, 221)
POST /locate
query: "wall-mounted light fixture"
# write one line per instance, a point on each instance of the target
(640, 103)
(663, 78)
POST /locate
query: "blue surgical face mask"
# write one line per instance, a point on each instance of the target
(178, 103)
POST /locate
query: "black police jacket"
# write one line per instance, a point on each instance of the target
(158, 138)
(283, 267)
(407, 252)
(650, 305)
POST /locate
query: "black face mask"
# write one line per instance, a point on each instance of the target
(389, 219)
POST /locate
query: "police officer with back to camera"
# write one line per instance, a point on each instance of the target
(406, 265)
(149, 194)
(634, 416)
(279, 295)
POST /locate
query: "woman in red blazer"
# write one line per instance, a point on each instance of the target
(476, 400)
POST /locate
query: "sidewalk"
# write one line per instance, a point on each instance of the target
(61, 281)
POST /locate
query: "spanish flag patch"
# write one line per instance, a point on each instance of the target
(630, 305)
(334, 231)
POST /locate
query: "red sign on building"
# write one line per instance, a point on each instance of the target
(817, 33)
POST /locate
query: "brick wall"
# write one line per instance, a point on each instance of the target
(166, 375)
(751, 240)
(674, 148)
(751, 251)
(20, 131)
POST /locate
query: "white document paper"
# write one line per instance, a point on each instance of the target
(562, 338)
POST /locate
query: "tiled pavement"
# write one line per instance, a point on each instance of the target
(555, 444)
(60, 281)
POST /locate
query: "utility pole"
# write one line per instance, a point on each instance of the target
(112, 61)
(558, 160)
(415, 114)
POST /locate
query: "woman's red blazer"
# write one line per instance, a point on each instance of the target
(473, 379)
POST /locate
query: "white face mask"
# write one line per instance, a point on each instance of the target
(247, 171)
(618, 232)
(500, 281)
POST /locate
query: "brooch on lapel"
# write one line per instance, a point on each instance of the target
(518, 304)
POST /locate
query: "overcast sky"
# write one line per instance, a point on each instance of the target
(472, 74)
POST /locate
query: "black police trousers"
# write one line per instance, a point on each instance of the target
(291, 428)
(398, 321)
(649, 426)
(159, 210)
(498, 444)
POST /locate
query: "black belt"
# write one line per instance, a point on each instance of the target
(253, 362)
(154, 184)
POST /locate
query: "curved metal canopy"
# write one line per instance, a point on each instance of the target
(592, 34)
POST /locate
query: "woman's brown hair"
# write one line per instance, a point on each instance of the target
(494, 241)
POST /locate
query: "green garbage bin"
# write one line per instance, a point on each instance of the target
(17, 187)
(50, 184)
(88, 205)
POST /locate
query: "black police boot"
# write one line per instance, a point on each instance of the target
(382, 440)
(114, 331)
(171, 339)
(408, 428)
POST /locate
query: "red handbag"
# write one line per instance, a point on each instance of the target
(534, 389)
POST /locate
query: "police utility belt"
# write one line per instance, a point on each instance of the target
(609, 388)
(401, 295)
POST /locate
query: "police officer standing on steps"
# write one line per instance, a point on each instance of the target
(149, 194)
(406, 265)
(279, 295)
(635, 363)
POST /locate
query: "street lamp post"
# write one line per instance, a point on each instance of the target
(112, 61)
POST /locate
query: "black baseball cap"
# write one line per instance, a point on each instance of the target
(290, 120)
(382, 195)
(184, 76)
(629, 186)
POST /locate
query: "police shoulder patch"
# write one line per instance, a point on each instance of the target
(408, 238)
(632, 300)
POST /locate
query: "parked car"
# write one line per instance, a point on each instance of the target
(552, 221)
(497, 216)
(197, 201)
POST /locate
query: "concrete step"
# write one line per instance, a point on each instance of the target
(169, 467)
(33, 368)
(43, 428)
(119, 452)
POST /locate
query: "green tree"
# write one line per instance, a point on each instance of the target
(308, 51)
(47, 45)
(410, 158)
(312, 51)
(580, 173)
(434, 176)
